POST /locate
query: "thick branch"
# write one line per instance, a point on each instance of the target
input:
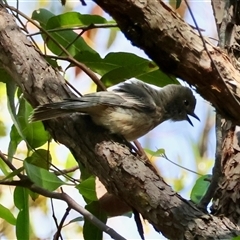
(124, 174)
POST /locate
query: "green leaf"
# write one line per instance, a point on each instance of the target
(15, 135)
(34, 133)
(158, 153)
(123, 73)
(13, 174)
(42, 16)
(77, 219)
(42, 178)
(88, 189)
(178, 3)
(74, 19)
(147, 72)
(90, 231)
(112, 37)
(117, 67)
(200, 188)
(7, 215)
(40, 158)
(85, 174)
(67, 38)
(4, 168)
(2, 129)
(33, 195)
(22, 223)
(53, 62)
(93, 61)
(236, 238)
(15, 139)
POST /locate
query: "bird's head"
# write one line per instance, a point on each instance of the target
(181, 103)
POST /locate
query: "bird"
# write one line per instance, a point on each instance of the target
(131, 110)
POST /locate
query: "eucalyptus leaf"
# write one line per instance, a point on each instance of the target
(7, 215)
(42, 178)
(200, 188)
(88, 189)
(90, 231)
(22, 222)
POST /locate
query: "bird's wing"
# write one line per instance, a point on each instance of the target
(129, 95)
(125, 99)
(137, 94)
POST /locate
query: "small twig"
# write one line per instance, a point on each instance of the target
(5, 155)
(73, 41)
(65, 171)
(83, 2)
(140, 149)
(58, 233)
(55, 219)
(73, 88)
(58, 171)
(86, 28)
(74, 205)
(178, 165)
(10, 165)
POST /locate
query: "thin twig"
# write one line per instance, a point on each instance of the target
(86, 28)
(178, 165)
(74, 205)
(65, 171)
(55, 219)
(10, 165)
(57, 171)
(58, 233)
(73, 88)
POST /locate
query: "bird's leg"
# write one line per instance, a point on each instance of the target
(136, 147)
(140, 150)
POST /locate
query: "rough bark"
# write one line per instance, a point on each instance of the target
(226, 200)
(124, 174)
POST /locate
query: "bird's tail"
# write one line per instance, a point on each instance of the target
(54, 110)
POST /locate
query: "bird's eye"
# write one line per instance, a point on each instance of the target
(186, 102)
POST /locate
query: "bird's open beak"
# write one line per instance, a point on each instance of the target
(193, 115)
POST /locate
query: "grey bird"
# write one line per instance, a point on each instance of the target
(131, 110)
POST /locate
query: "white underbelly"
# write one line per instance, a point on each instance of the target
(129, 123)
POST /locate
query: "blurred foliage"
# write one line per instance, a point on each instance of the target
(200, 188)
(68, 35)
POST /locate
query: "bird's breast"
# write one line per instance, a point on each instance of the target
(129, 123)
